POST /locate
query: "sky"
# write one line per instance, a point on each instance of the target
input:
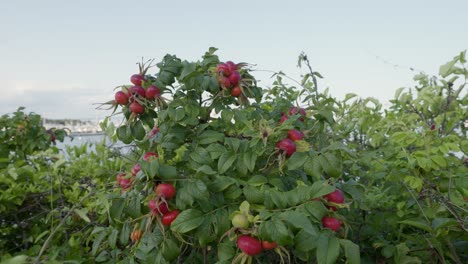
(61, 58)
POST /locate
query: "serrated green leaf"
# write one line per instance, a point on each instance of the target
(210, 136)
(328, 249)
(83, 214)
(225, 162)
(351, 251)
(297, 160)
(138, 131)
(187, 220)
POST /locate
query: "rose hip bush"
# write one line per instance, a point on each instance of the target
(232, 167)
(224, 171)
(228, 172)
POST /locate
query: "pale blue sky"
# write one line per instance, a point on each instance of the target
(57, 58)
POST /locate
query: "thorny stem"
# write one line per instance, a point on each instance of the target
(314, 79)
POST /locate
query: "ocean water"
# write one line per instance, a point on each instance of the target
(91, 140)
(79, 140)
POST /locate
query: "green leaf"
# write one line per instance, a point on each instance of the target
(446, 69)
(277, 231)
(297, 160)
(443, 222)
(419, 223)
(201, 155)
(167, 172)
(82, 213)
(134, 206)
(207, 170)
(253, 195)
(225, 162)
(138, 130)
(316, 209)
(331, 164)
(298, 220)
(21, 259)
(170, 249)
(313, 168)
(320, 188)
(305, 241)
(117, 208)
(97, 242)
(440, 161)
(124, 134)
(226, 252)
(328, 249)
(210, 136)
(187, 69)
(112, 240)
(191, 190)
(187, 221)
(257, 180)
(216, 150)
(221, 183)
(414, 182)
(351, 251)
(249, 159)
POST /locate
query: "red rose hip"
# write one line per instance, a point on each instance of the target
(121, 98)
(249, 245)
(331, 223)
(295, 135)
(286, 145)
(137, 79)
(165, 190)
(136, 108)
(169, 217)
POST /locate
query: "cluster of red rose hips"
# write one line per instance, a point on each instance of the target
(287, 145)
(336, 197)
(124, 181)
(135, 95)
(159, 206)
(229, 77)
(252, 246)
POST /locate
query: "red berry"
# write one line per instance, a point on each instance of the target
(298, 110)
(335, 197)
(267, 245)
(137, 79)
(152, 204)
(234, 78)
(283, 118)
(121, 98)
(294, 135)
(249, 245)
(223, 69)
(152, 92)
(137, 90)
(149, 155)
(331, 223)
(125, 183)
(286, 145)
(154, 132)
(136, 108)
(161, 209)
(169, 217)
(224, 82)
(120, 177)
(135, 169)
(165, 190)
(236, 91)
(231, 66)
